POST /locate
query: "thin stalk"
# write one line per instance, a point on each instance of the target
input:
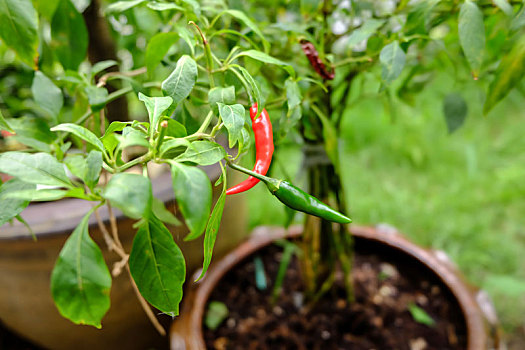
(104, 79)
(216, 128)
(207, 54)
(243, 82)
(145, 305)
(143, 302)
(206, 123)
(353, 60)
(144, 158)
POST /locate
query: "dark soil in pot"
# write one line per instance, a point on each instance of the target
(387, 283)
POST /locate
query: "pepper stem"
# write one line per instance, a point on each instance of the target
(271, 183)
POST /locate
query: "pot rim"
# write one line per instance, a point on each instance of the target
(190, 323)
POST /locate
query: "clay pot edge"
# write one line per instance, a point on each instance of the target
(198, 293)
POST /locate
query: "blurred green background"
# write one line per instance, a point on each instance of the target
(463, 193)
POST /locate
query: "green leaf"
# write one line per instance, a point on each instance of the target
(81, 5)
(519, 20)
(121, 6)
(82, 133)
(289, 120)
(4, 125)
(420, 316)
(392, 59)
(213, 227)
(12, 207)
(262, 57)
(157, 266)
(37, 168)
(419, 17)
(508, 74)
(69, 36)
(132, 137)
(181, 81)
(158, 47)
(455, 110)
(19, 28)
(175, 129)
(260, 274)
(163, 6)
(46, 94)
(155, 106)
(224, 95)
(93, 168)
(116, 126)
(245, 141)
(130, 193)
(80, 281)
(472, 35)
(46, 195)
(187, 36)
(102, 66)
(505, 7)
(216, 314)
(330, 140)
(33, 132)
(241, 16)
(293, 93)
(233, 118)
(171, 144)
(193, 195)
(202, 153)
(163, 213)
(255, 91)
(110, 142)
(46, 8)
(76, 163)
(369, 27)
(195, 6)
(288, 252)
(97, 97)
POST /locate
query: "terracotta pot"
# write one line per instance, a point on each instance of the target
(26, 306)
(187, 333)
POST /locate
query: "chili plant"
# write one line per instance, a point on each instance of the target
(71, 149)
(197, 68)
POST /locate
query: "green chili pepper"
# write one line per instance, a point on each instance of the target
(299, 200)
(296, 198)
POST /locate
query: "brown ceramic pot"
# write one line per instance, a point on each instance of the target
(187, 333)
(26, 306)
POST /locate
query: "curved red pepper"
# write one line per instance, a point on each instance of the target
(262, 129)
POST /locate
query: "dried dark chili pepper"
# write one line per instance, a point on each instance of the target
(313, 56)
(262, 129)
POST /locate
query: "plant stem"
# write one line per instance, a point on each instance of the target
(112, 245)
(206, 123)
(353, 60)
(125, 257)
(145, 305)
(207, 54)
(144, 158)
(104, 79)
(243, 81)
(249, 172)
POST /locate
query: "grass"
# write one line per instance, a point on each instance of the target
(462, 193)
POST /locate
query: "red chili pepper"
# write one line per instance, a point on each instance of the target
(262, 129)
(313, 56)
